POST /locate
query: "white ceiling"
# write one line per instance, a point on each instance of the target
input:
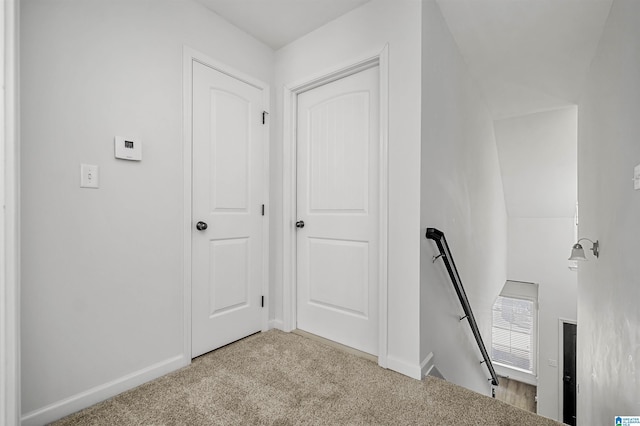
(527, 55)
(279, 22)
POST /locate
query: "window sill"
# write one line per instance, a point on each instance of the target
(515, 374)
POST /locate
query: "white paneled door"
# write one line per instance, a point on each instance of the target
(338, 210)
(227, 203)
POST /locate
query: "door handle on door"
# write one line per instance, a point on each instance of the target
(201, 226)
(300, 224)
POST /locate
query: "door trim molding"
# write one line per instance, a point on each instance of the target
(291, 91)
(189, 57)
(561, 322)
(10, 398)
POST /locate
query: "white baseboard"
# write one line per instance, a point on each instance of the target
(277, 324)
(427, 365)
(62, 408)
(412, 370)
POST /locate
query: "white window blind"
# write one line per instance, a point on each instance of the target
(513, 332)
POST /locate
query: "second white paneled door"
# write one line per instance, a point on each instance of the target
(338, 210)
(227, 181)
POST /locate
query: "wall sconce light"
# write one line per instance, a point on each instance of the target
(577, 252)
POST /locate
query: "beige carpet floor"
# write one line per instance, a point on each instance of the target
(277, 378)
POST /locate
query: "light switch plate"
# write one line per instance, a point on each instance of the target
(88, 176)
(636, 177)
(128, 148)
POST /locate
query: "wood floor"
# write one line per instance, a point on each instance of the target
(517, 393)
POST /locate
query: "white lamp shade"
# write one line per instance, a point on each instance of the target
(577, 252)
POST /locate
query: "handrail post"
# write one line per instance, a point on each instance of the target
(440, 240)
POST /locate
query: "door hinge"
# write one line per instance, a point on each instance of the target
(262, 302)
(263, 210)
(264, 114)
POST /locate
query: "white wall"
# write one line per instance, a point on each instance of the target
(538, 159)
(365, 31)
(462, 195)
(608, 149)
(539, 164)
(102, 284)
(538, 252)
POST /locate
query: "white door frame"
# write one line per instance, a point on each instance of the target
(289, 178)
(189, 57)
(10, 410)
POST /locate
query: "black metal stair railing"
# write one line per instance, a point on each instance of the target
(438, 236)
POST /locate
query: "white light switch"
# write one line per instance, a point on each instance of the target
(636, 177)
(552, 362)
(88, 176)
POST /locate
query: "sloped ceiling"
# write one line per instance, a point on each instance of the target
(527, 55)
(529, 58)
(279, 22)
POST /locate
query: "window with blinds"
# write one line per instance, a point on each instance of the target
(513, 333)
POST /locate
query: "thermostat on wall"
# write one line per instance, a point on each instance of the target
(128, 148)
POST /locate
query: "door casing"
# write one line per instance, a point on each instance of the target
(289, 179)
(561, 322)
(10, 399)
(189, 57)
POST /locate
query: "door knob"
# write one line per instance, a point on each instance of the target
(201, 226)
(300, 224)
